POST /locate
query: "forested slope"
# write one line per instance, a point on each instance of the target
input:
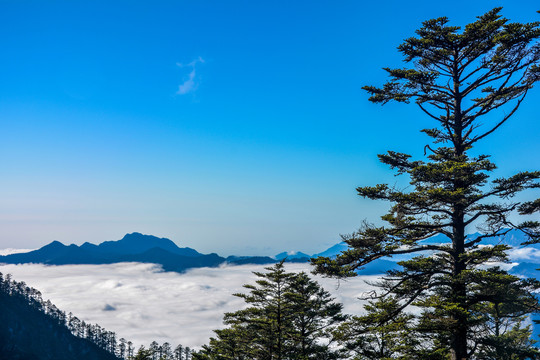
(28, 331)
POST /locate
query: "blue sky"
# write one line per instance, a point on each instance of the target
(235, 127)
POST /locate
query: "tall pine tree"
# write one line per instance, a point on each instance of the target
(458, 77)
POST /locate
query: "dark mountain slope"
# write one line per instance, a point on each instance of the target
(136, 243)
(28, 333)
(133, 247)
(173, 262)
(243, 260)
(296, 257)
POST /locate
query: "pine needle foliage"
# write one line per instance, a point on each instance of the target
(289, 316)
(469, 81)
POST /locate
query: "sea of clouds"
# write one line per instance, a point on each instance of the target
(142, 303)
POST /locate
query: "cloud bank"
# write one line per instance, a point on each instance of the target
(141, 303)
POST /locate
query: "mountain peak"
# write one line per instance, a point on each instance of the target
(138, 236)
(136, 243)
(55, 244)
(292, 255)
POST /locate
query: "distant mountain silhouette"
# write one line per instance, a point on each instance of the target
(242, 260)
(513, 238)
(136, 247)
(136, 243)
(526, 269)
(333, 251)
(133, 247)
(296, 256)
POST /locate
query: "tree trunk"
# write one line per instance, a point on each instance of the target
(459, 336)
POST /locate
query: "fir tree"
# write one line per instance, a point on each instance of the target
(178, 352)
(289, 317)
(379, 333)
(458, 77)
(314, 314)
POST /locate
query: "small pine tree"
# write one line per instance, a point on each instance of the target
(289, 317)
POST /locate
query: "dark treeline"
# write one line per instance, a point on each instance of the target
(23, 309)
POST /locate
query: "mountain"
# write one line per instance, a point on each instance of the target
(526, 269)
(136, 247)
(377, 267)
(27, 332)
(294, 256)
(133, 247)
(513, 238)
(173, 262)
(136, 243)
(242, 260)
(333, 251)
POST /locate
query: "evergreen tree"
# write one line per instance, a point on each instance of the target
(121, 352)
(379, 333)
(130, 349)
(289, 317)
(187, 353)
(313, 315)
(143, 354)
(154, 349)
(28, 324)
(166, 351)
(268, 316)
(458, 77)
(178, 352)
(231, 343)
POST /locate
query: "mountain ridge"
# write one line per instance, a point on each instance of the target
(133, 247)
(137, 247)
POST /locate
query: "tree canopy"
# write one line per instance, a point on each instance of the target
(289, 317)
(470, 81)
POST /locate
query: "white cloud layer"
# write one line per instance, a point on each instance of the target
(141, 303)
(10, 251)
(525, 254)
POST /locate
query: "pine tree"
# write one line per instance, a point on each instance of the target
(143, 354)
(121, 353)
(154, 349)
(130, 350)
(178, 352)
(379, 333)
(289, 317)
(268, 316)
(313, 315)
(458, 77)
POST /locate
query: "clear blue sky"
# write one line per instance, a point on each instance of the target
(231, 126)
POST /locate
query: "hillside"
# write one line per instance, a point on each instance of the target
(33, 330)
(134, 247)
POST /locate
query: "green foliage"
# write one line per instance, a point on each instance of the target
(458, 77)
(382, 333)
(289, 317)
(143, 354)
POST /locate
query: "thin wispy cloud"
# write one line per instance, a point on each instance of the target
(142, 303)
(190, 84)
